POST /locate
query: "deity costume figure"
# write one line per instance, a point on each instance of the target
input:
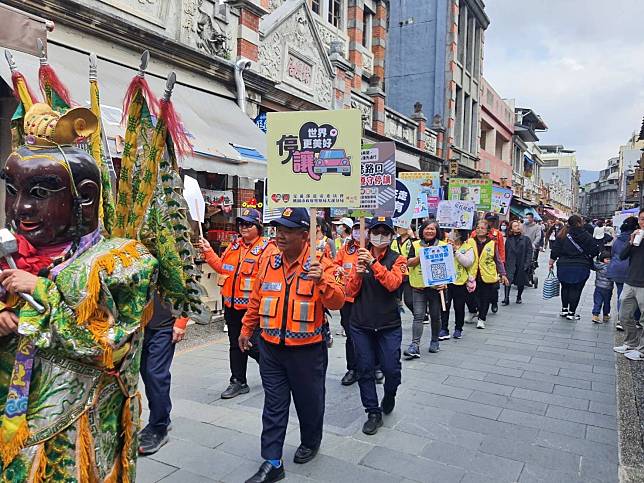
(69, 407)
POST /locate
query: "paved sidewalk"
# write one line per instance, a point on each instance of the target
(530, 398)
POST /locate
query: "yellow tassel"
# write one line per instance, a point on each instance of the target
(10, 449)
(84, 449)
(148, 311)
(128, 435)
(39, 469)
(114, 475)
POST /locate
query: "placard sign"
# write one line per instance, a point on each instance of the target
(477, 190)
(428, 184)
(437, 265)
(456, 214)
(501, 199)
(406, 195)
(314, 158)
(377, 180)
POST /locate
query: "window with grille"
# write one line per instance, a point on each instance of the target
(315, 6)
(335, 13)
(366, 28)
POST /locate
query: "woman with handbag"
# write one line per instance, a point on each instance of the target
(518, 258)
(573, 250)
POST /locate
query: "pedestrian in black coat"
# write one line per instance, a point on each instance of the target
(518, 257)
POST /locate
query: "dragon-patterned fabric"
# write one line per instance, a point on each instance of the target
(83, 406)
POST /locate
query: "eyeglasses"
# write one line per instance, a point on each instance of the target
(246, 224)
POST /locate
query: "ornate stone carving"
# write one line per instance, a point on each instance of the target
(328, 35)
(365, 109)
(210, 37)
(398, 128)
(291, 55)
(275, 4)
(155, 11)
(271, 58)
(430, 141)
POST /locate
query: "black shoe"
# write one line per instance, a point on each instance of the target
(349, 378)
(267, 473)
(380, 377)
(505, 302)
(388, 402)
(374, 421)
(150, 442)
(519, 301)
(495, 307)
(304, 454)
(235, 389)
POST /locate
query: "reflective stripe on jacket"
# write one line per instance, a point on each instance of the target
(237, 269)
(347, 258)
(287, 305)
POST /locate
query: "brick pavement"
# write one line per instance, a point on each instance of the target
(530, 398)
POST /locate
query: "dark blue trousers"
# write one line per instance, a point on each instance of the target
(297, 371)
(156, 358)
(371, 347)
(601, 298)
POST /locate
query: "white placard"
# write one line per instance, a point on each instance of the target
(194, 198)
(456, 214)
(437, 265)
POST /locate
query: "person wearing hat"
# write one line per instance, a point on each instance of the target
(288, 301)
(343, 229)
(375, 319)
(237, 269)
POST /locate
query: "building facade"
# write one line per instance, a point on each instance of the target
(435, 56)
(560, 164)
(601, 198)
(630, 155)
(497, 128)
(526, 160)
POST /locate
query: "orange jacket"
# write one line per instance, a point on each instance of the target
(288, 306)
(390, 279)
(346, 259)
(237, 269)
(500, 241)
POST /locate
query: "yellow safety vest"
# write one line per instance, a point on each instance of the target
(416, 273)
(463, 273)
(401, 248)
(487, 265)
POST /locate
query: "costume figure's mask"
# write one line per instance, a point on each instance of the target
(52, 192)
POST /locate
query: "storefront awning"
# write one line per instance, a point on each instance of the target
(225, 140)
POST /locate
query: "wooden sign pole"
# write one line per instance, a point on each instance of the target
(313, 215)
(362, 232)
(443, 305)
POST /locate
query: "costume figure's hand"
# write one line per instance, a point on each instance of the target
(15, 281)
(8, 323)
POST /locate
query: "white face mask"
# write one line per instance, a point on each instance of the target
(380, 240)
(356, 235)
(339, 230)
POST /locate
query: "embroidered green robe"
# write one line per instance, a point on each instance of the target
(83, 410)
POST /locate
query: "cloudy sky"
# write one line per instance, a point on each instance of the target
(577, 63)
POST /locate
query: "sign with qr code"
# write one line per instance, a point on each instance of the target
(437, 265)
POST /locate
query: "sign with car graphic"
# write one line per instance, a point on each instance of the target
(314, 158)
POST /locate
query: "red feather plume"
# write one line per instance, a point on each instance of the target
(139, 83)
(171, 118)
(15, 77)
(47, 77)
